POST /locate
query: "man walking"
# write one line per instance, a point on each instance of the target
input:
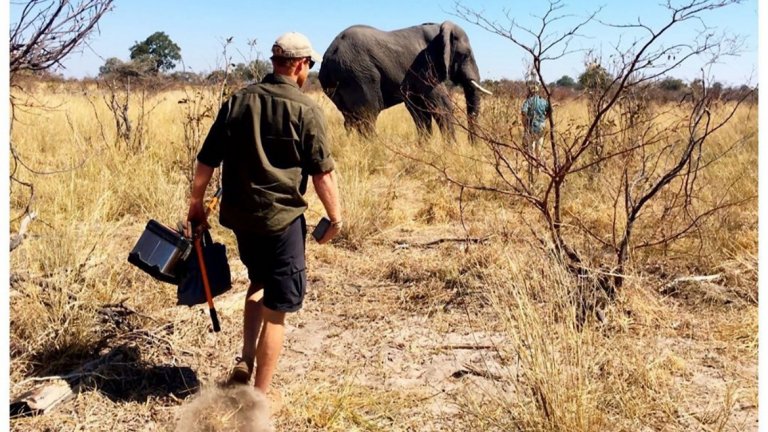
(534, 115)
(269, 138)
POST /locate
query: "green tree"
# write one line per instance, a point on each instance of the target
(716, 90)
(158, 49)
(671, 84)
(565, 81)
(112, 65)
(115, 68)
(253, 71)
(595, 77)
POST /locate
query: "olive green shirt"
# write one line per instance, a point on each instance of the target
(268, 137)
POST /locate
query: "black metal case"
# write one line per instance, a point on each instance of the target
(159, 250)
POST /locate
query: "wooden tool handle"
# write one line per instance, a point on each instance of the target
(206, 284)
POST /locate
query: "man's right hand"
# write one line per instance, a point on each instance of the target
(197, 218)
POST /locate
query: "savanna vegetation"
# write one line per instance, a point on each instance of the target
(418, 255)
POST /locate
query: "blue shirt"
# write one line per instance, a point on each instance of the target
(535, 111)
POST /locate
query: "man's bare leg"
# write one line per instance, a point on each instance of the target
(269, 347)
(252, 319)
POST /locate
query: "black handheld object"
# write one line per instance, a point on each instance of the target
(321, 228)
(190, 290)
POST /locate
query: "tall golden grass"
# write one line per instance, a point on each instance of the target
(634, 372)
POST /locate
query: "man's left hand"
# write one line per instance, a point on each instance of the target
(331, 232)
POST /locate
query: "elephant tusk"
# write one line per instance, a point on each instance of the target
(479, 87)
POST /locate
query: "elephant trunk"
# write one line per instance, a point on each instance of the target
(472, 96)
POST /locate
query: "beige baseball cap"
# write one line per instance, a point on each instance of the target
(294, 45)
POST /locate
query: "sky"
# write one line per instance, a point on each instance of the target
(200, 27)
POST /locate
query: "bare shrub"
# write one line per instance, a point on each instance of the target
(652, 158)
(46, 32)
(131, 125)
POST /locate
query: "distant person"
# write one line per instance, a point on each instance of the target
(534, 114)
(269, 137)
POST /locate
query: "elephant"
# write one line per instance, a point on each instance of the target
(366, 70)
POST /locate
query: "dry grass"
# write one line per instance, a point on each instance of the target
(386, 302)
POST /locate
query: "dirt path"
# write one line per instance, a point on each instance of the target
(350, 341)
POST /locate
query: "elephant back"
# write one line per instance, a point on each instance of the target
(359, 43)
(365, 51)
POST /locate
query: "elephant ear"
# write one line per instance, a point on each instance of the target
(440, 50)
(430, 67)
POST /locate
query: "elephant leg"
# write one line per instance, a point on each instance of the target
(421, 116)
(360, 105)
(362, 124)
(441, 106)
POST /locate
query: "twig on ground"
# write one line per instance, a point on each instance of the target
(405, 245)
(465, 347)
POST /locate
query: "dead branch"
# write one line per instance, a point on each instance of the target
(399, 244)
(49, 30)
